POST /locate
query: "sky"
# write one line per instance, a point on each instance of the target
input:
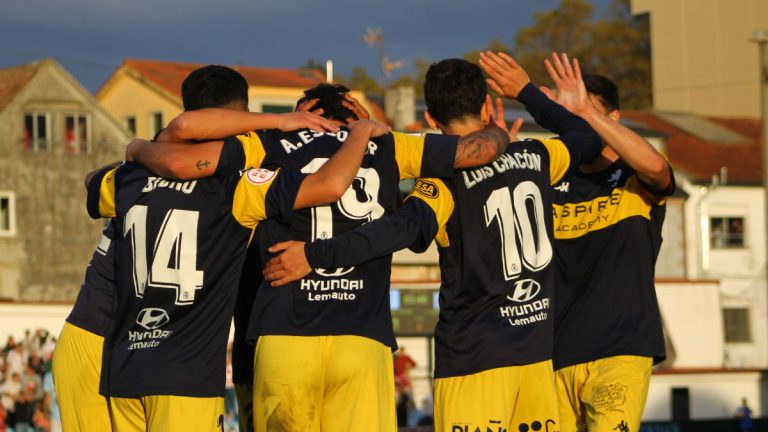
(91, 37)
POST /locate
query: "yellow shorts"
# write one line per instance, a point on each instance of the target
(244, 393)
(76, 373)
(165, 413)
(329, 383)
(515, 398)
(604, 395)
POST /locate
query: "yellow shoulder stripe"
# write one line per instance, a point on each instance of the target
(107, 195)
(249, 204)
(439, 198)
(409, 150)
(253, 148)
(559, 159)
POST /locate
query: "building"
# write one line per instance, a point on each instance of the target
(702, 59)
(144, 95)
(52, 133)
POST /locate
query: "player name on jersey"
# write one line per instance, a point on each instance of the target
(307, 137)
(507, 161)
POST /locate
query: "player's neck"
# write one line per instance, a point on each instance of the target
(605, 159)
(462, 127)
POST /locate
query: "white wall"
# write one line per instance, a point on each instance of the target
(712, 395)
(694, 324)
(17, 317)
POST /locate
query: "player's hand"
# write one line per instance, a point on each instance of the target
(305, 120)
(307, 106)
(497, 118)
(507, 78)
(290, 265)
(571, 91)
(354, 105)
(375, 128)
(134, 147)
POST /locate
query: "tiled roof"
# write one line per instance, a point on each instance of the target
(701, 159)
(170, 75)
(13, 79)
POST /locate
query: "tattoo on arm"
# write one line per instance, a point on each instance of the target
(481, 147)
(202, 164)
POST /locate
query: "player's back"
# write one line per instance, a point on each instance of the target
(179, 252)
(496, 263)
(352, 300)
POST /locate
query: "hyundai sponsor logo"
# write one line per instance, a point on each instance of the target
(525, 291)
(152, 318)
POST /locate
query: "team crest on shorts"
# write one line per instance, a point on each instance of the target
(260, 176)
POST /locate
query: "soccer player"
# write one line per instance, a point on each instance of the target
(78, 353)
(179, 255)
(494, 230)
(608, 219)
(323, 357)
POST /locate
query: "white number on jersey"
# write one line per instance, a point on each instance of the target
(511, 213)
(359, 202)
(174, 256)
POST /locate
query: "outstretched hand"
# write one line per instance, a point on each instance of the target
(290, 265)
(507, 78)
(571, 91)
(497, 118)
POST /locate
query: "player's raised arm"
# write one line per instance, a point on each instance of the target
(509, 79)
(218, 123)
(647, 162)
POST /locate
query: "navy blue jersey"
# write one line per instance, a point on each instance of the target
(608, 232)
(93, 307)
(179, 249)
(348, 300)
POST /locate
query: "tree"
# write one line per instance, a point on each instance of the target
(616, 45)
(360, 80)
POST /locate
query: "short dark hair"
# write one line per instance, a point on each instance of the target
(603, 88)
(454, 89)
(213, 86)
(330, 98)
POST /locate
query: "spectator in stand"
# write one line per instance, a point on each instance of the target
(10, 391)
(40, 419)
(16, 360)
(403, 364)
(3, 418)
(50, 404)
(25, 408)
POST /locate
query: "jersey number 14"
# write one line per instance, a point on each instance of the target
(174, 255)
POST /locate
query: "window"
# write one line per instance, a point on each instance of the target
(130, 124)
(76, 133)
(7, 214)
(726, 232)
(276, 109)
(37, 126)
(155, 123)
(736, 323)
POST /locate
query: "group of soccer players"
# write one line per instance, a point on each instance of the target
(548, 317)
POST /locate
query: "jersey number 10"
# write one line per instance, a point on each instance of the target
(512, 214)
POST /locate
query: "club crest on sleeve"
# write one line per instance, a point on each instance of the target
(260, 176)
(426, 188)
